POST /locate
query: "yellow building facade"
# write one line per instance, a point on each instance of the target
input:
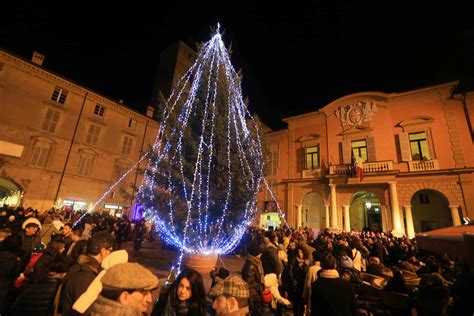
(63, 144)
(415, 149)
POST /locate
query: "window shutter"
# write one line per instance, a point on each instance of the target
(346, 151)
(300, 159)
(404, 146)
(371, 149)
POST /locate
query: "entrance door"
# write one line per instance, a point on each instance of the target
(365, 211)
(313, 208)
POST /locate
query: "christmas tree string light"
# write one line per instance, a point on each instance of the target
(205, 167)
(208, 159)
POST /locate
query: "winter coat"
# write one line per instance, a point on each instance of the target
(10, 265)
(78, 279)
(37, 299)
(28, 243)
(270, 261)
(330, 295)
(104, 306)
(252, 273)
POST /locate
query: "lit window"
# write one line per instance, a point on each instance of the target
(85, 164)
(41, 154)
(50, 121)
(127, 145)
(93, 134)
(59, 95)
(359, 149)
(312, 157)
(419, 146)
(99, 110)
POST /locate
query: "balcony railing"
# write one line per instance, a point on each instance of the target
(369, 167)
(423, 165)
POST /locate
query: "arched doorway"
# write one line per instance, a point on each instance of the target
(312, 211)
(11, 193)
(430, 211)
(365, 211)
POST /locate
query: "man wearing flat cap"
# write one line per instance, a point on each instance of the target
(231, 297)
(126, 291)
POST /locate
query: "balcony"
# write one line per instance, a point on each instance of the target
(369, 167)
(423, 165)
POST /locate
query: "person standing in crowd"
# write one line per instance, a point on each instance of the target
(330, 295)
(81, 275)
(186, 296)
(126, 290)
(139, 234)
(231, 297)
(252, 273)
(270, 261)
(30, 237)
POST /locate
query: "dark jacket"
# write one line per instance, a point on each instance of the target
(252, 273)
(10, 267)
(28, 243)
(78, 279)
(36, 299)
(270, 261)
(332, 296)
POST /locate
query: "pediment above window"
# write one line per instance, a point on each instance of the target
(43, 139)
(418, 121)
(354, 130)
(308, 138)
(88, 151)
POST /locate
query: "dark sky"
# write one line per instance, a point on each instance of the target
(296, 56)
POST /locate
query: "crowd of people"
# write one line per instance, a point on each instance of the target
(65, 263)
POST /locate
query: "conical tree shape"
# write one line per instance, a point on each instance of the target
(204, 171)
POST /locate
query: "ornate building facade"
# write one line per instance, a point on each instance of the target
(63, 144)
(414, 150)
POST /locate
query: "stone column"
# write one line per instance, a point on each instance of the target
(326, 208)
(334, 225)
(409, 218)
(299, 208)
(347, 218)
(455, 215)
(396, 218)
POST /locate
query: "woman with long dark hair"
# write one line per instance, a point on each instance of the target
(185, 296)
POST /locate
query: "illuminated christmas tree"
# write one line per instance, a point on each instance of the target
(204, 170)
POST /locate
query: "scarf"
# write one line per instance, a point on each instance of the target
(329, 274)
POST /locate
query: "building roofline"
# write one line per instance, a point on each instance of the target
(77, 85)
(372, 93)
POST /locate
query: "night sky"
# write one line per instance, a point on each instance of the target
(296, 57)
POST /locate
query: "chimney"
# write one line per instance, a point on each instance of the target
(37, 58)
(149, 111)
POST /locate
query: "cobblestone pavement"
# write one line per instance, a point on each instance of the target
(159, 260)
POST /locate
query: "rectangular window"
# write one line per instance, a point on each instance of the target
(312, 157)
(93, 134)
(359, 149)
(132, 124)
(274, 163)
(127, 145)
(99, 110)
(41, 155)
(50, 121)
(85, 165)
(59, 95)
(419, 146)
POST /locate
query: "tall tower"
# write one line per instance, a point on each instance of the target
(175, 60)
